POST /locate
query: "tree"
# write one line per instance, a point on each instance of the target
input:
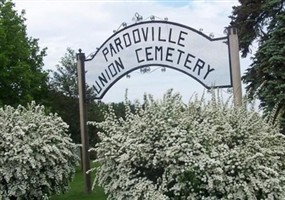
(170, 150)
(64, 80)
(63, 93)
(68, 109)
(22, 78)
(255, 20)
(263, 22)
(63, 96)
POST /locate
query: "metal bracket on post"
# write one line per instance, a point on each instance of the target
(85, 158)
(235, 65)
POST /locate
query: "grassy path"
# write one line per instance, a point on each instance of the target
(76, 191)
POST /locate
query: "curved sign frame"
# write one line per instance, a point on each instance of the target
(160, 43)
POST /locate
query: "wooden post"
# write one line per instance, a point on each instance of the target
(85, 158)
(235, 65)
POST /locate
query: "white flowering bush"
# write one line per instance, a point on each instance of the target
(37, 156)
(167, 150)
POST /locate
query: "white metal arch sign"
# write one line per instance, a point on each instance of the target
(160, 43)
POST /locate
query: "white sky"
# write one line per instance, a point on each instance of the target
(87, 24)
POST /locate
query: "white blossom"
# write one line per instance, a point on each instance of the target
(37, 156)
(203, 150)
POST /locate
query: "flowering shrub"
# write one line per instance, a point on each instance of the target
(203, 150)
(37, 157)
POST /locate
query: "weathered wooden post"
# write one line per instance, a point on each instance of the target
(83, 120)
(235, 65)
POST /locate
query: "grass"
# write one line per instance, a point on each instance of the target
(76, 191)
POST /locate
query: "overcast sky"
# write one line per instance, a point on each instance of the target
(87, 24)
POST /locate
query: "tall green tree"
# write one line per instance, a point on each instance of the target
(63, 99)
(64, 80)
(63, 96)
(63, 93)
(22, 78)
(263, 22)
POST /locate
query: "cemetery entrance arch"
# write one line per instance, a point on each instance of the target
(213, 62)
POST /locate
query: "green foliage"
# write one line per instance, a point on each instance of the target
(254, 20)
(266, 77)
(68, 109)
(63, 98)
(22, 78)
(264, 22)
(63, 95)
(64, 80)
